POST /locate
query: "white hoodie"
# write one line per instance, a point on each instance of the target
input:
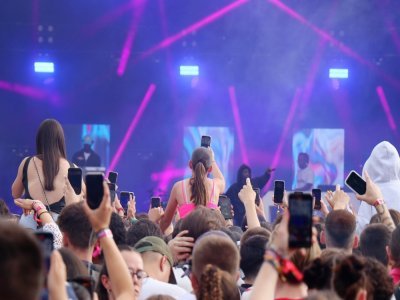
(383, 166)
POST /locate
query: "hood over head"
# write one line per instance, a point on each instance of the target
(241, 180)
(383, 165)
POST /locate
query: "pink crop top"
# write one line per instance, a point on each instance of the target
(188, 207)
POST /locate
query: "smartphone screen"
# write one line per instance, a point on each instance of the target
(316, 193)
(75, 179)
(300, 222)
(124, 197)
(46, 241)
(258, 197)
(205, 141)
(112, 187)
(112, 177)
(155, 202)
(225, 206)
(356, 183)
(94, 189)
(279, 189)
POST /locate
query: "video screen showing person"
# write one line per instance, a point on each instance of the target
(222, 143)
(88, 145)
(318, 156)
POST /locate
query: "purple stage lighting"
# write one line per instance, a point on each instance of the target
(44, 67)
(189, 70)
(338, 73)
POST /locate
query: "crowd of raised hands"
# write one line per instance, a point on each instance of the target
(278, 271)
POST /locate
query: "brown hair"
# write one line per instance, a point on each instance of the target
(201, 162)
(50, 147)
(21, 263)
(373, 241)
(395, 247)
(216, 284)
(318, 274)
(393, 213)
(75, 266)
(350, 277)
(160, 297)
(74, 222)
(4, 210)
(201, 220)
(340, 227)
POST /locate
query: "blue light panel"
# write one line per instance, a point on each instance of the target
(44, 67)
(189, 70)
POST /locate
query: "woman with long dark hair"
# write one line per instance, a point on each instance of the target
(42, 177)
(197, 190)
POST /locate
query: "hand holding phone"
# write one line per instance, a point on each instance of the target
(46, 240)
(205, 141)
(75, 179)
(300, 222)
(373, 192)
(258, 197)
(112, 187)
(155, 202)
(225, 206)
(316, 193)
(112, 177)
(124, 198)
(279, 189)
(355, 182)
(94, 189)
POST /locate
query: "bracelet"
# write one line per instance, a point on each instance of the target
(286, 269)
(106, 232)
(378, 202)
(43, 212)
(271, 257)
(120, 209)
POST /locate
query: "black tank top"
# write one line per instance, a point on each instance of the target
(56, 206)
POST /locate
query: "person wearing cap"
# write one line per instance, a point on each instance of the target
(86, 157)
(158, 263)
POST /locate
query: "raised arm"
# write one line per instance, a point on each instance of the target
(170, 210)
(262, 180)
(248, 196)
(116, 266)
(218, 177)
(373, 196)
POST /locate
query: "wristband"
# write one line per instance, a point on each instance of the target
(120, 209)
(378, 202)
(286, 269)
(104, 233)
(37, 206)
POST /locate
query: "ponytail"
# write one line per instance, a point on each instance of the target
(210, 284)
(216, 284)
(198, 188)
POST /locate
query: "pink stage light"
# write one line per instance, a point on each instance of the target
(286, 127)
(132, 126)
(166, 176)
(341, 46)
(386, 108)
(238, 124)
(108, 18)
(29, 91)
(126, 50)
(207, 20)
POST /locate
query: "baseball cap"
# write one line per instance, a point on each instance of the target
(155, 244)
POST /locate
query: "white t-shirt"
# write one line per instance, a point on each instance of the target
(86, 155)
(304, 177)
(152, 287)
